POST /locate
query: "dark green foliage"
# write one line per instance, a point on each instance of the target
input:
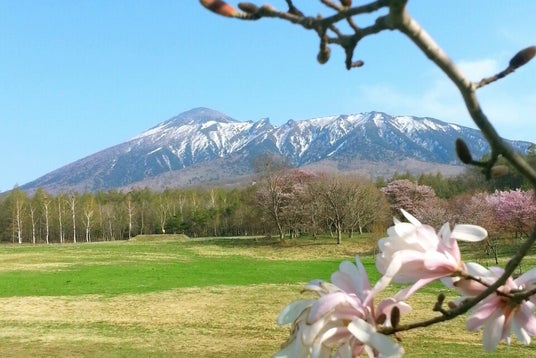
(472, 180)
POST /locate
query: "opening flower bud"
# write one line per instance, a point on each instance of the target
(220, 7)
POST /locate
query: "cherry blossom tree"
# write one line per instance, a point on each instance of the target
(515, 210)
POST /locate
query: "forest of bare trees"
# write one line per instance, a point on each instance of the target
(281, 202)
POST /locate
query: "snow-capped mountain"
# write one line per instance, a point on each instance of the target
(205, 146)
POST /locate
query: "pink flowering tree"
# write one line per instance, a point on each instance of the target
(421, 200)
(343, 320)
(514, 210)
(478, 209)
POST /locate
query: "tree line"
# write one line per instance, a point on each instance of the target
(281, 201)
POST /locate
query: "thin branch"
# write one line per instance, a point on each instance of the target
(486, 81)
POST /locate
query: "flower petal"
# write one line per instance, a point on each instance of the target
(365, 333)
(410, 218)
(328, 303)
(293, 349)
(292, 311)
(352, 278)
(493, 330)
(466, 232)
(527, 280)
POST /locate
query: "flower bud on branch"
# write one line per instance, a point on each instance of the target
(248, 8)
(395, 316)
(522, 57)
(463, 152)
(325, 51)
(222, 8)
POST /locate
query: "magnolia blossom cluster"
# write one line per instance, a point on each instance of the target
(344, 321)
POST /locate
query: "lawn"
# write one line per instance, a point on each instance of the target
(182, 298)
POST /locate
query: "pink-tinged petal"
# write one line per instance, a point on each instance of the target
(452, 250)
(427, 239)
(329, 303)
(351, 278)
(493, 331)
(333, 337)
(476, 270)
(380, 285)
(530, 324)
(466, 287)
(483, 311)
(407, 266)
(527, 280)
(402, 234)
(321, 287)
(518, 328)
(313, 333)
(524, 322)
(293, 349)
(386, 305)
(365, 283)
(365, 333)
(444, 233)
(292, 311)
(390, 267)
(466, 232)
(344, 281)
(439, 262)
(314, 286)
(321, 347)
(405, 293)
(470, 287)
(410, 218)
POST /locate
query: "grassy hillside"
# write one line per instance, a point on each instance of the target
(181, 298)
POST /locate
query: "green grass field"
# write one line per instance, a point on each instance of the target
(176, 297)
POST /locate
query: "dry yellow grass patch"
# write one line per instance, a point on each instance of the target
(285, 252)
(193, 322)
(30, 261)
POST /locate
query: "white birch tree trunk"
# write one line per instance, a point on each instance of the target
(47, 224)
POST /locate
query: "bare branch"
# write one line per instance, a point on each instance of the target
(521, 58)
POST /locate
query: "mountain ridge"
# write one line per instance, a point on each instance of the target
(204, 146)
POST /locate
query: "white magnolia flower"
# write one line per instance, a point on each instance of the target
(414, 253)
(338, 323)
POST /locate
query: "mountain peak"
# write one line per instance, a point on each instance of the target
(206, 146)
(198, 115)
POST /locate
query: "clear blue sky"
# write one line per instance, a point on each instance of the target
(80, 76)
